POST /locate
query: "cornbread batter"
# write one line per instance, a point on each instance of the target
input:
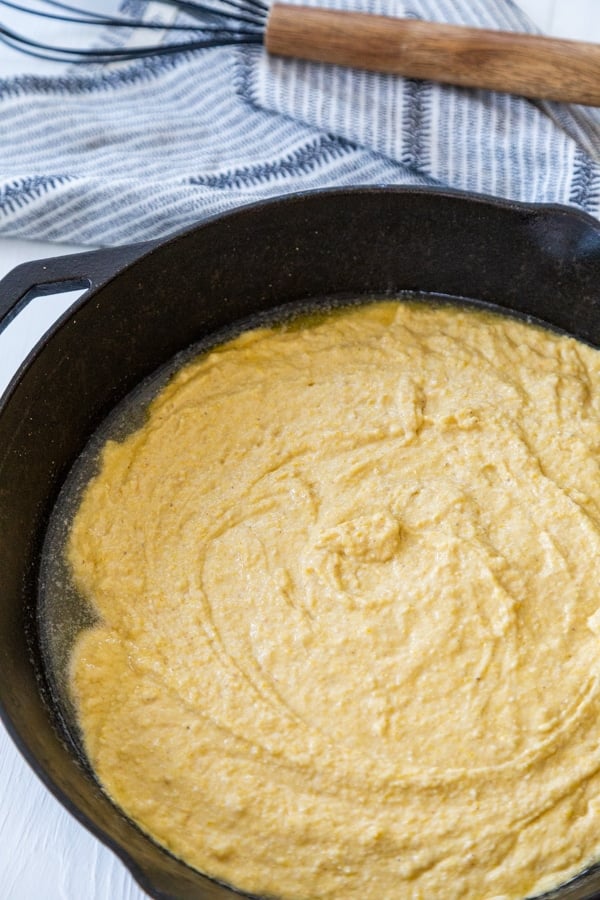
(348, 577)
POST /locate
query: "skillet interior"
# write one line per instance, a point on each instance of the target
(534, 261)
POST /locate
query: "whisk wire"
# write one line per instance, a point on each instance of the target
(227, 9)
(224, 22)
(112, 21)
(40, 50)
(237, 6)
(56, 4)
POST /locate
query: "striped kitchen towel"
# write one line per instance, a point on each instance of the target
(135, 150)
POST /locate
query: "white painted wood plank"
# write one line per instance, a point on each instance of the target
(577, 19)
(574, 19)
(540, 11)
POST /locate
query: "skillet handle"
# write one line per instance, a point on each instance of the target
(58, 274)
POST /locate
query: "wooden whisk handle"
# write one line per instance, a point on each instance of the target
(525, 64)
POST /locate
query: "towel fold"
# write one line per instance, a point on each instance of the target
(135, 150)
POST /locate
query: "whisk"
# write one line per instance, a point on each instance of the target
(531, 65)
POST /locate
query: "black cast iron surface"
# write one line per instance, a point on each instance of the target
(147, 302)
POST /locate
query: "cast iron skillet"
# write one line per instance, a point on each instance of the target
(146, 302)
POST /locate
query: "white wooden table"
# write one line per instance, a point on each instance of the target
(44, 853)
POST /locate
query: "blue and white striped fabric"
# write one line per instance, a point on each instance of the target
(136, 150)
